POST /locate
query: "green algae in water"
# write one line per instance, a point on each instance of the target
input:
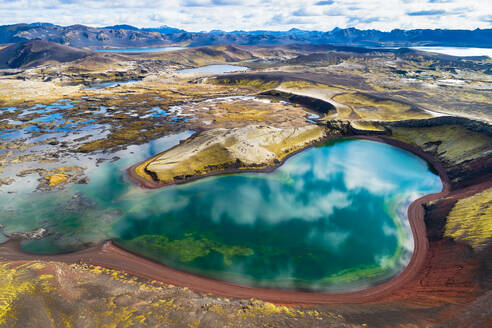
(332, 218)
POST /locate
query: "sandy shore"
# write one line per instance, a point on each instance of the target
(111, 256)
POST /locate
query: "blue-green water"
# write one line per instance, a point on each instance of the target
(331, 218)
(110, 84)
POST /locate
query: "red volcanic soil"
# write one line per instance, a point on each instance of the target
(440, 271)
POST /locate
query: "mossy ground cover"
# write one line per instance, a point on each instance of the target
(295, 142)
(184, 250)
(242, 113)
(53, 294)
(453, 144)
(56, 178)
(470, 220)
(367, 126)
(211, 158)
(18, 281)
(220, 156)
(372, 108)
(256, 84)
(300, 84)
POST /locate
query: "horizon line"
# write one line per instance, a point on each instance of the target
(249, 31)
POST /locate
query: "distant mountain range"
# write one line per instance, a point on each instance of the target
(163, 29)
(129, 36)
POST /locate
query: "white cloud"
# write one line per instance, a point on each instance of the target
(248, 204)
(334, 239)
(198, 15)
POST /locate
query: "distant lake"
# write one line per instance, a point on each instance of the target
(109, 84)
(457, 51)
(142, 49)
(215, 69)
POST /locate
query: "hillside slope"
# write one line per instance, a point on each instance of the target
(36, 52)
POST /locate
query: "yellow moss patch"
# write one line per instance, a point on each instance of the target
(194, 324)
(120, 316)
(116, 138)
(241, 113)
(13, 284)
(256, 83)
(250, 147)
(67, 168)
(470, 220)
(98, 297)
(259, 308)
(453, 143)
(295, 142)
(371, 108)
(366, 125)
(300, 85)
(212, 156)
(56, 178)
(140, 170)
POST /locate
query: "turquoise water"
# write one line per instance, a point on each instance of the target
(110, 84)
(331, 218)
(45, 120)
(163, 49)
(214, 69)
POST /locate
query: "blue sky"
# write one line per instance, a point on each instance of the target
(198, 15)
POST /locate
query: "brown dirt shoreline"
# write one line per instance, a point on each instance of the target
(111, 256)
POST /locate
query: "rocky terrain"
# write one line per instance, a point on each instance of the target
(59, 120)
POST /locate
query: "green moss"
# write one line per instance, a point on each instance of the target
(18, 281)
(241, 113)
(452, 143)
(367, 126)
(470, 220)
(300, 84)
(125, 135)
(368, 107)
(216, 157)
(296, 142)
(355, 274)
(184, 250)
(253, 83)
(230, 251)
(201, 163)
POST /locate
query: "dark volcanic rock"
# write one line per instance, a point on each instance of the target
(316, 105)
(33, 53)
